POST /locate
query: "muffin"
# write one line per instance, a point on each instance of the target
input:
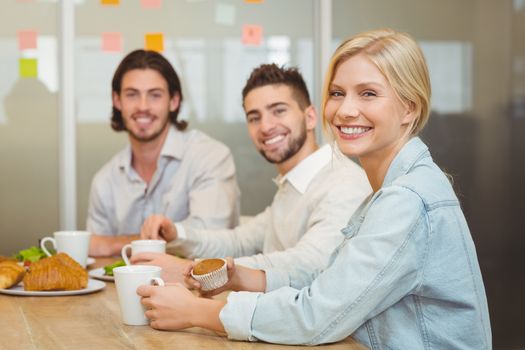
(211, 273)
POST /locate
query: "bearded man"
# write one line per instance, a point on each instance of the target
(184, 175)
(317, 191)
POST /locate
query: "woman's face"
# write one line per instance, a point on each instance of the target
(364, 113)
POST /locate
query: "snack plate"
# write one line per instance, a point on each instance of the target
(99, 274)
(93, 286)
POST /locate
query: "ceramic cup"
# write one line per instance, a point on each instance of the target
(73, 243)
(143, 245)
(127, 280)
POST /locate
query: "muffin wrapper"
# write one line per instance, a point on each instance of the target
(214, 279)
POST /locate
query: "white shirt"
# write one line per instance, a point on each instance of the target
(302, 225)
(194, 184)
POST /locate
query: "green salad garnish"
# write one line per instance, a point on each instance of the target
(32, 254)
(108, 269)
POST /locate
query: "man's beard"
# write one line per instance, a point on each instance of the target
(294, 145)
(148, 138)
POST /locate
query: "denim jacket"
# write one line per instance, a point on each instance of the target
(405, 277)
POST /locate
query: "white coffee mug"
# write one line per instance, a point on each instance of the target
(143, 245)
(73, 243)
(127, 280)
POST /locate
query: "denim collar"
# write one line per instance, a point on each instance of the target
(409, 154)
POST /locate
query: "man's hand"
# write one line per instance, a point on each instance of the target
(172, 266)
(105, 246)
(158, 227)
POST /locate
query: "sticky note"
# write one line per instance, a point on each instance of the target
(27, 39)
(253, 1)
(252, 34)
(111, 42)
(154, 42)
(110, 2)
(225, 14)
(28, 67)
(151, 4)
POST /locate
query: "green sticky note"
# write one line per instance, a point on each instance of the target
(28, 67)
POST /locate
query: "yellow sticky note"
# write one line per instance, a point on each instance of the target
(154, 42)
(252, 34)
(27, 39)
(111, 42)
(253, 1)
(28, 67)
(110, 2)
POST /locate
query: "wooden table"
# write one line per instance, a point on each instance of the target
(92, 321)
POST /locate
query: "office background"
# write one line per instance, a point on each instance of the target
(475, 50)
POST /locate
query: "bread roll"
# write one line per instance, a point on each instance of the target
(10, 273)
(57, 272)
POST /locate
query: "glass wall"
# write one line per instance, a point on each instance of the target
(476, 56)
(213, 46)
(28, 124)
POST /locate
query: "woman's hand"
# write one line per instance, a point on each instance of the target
(173, 307)
(193, 283)
(173, 268)
(240, 278)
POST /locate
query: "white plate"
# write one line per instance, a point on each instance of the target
(93, 286)
(90, 261)
(99, 275)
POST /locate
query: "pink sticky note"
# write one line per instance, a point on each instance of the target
(111, 42)
(252, 34)
(27, 39)
(151, 4)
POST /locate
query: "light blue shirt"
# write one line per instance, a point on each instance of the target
(405, 277)
(194, 183)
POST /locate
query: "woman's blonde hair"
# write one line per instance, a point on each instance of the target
(399, 58)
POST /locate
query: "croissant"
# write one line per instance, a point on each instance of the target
(10, 273)
(5, 258)
(57, 272)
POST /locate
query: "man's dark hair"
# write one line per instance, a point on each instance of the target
(145, 59)
(271, 74)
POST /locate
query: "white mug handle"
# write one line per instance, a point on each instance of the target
(124, 253)
(43, 244)
(157, 281)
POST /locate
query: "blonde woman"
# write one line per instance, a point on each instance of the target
(406, 275)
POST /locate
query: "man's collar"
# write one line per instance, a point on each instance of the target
(302, 174)
(174, 144)
(173, 147)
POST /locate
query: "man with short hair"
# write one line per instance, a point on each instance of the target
(317, 190)
(185, 175)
